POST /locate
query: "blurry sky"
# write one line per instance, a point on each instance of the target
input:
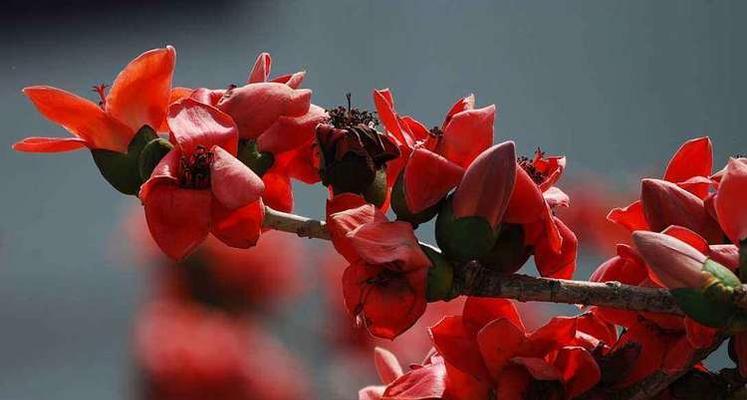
(614, 85)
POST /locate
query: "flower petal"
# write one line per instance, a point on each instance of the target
(240, 227)
(81, 117)
(729, 201)
(467, 135)
(233, 183)
(694, 158)
(387, 365)
(579, 370)
(49, 144)
(428, 178)
(278, 192)
(289, 132)
(498, 341)
(261, 70)
(178, 219)
(479, 311)
(140, 93)
(552, 264)
(630, 217)
(196, 124)
(386, 242)
(458, 346)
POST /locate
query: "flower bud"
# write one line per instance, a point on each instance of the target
(702, 287)
(151, 155)
(257, 161)
(440, 275)
(463, 239)
(509, 253)
(730, 200)
(487, 185)
(122, 170)
(666, 204)
(676, 263)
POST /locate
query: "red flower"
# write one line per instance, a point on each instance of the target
(730, 199)
(138, 97)
(200, 187)
(422, 382)
(433, 161)
(531, 205)
(185, 352)
(384, 288)
(489, 342)
(689, 168)
(273, 117)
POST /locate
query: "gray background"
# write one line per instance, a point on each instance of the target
(614, 85)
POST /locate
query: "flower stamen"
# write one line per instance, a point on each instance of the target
(196, 169)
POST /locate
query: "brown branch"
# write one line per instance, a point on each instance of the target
(292, 223)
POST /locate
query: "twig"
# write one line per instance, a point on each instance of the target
(292, 223)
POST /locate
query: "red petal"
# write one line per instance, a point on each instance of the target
(340, 223)
(385, 110)
(257, 106)
(386, 310)
(729, 201)
(80, 117)
(428, 179)
(371, 392)
(487, 185)
(467, 135)
(725, 254)
(538, 368)
(293, 80)
(386, 242)
(178, 219)
(458, 345)
(560, 331)
(630, 217)
(233, 183)
(678, 356)
(278, 192)
(498, 342)
(527, 203)
(289, 133)
(467, 103)
(556, 197)
(698, 335)
(195, 124)
(687, 236)
(579, 370)
(694, 158)
(238, 228)
(479, 311)
(140, 93)
(49, 145)
(261, 70)
(552, 264)
(591, 324)
(463, 386)
(387, 365)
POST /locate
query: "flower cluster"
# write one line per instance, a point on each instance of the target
(211, 167)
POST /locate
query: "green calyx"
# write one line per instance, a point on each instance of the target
(258, 161)
(440, 275)
(711, 305)
(463, 239)
(151, 155)
(122, 170)
(377, 190)
(509, 253)
(399, 205)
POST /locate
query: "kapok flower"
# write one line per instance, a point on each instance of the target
(434, 160)
(200, 186)
(730, 200)
(689, 168)
(385, 289)
(139, 96)
(489, 342)
(276, 122)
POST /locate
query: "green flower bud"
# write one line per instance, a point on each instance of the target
(377, 190)
(440, 275)
(122, 170)
(463, 239)
(712, 304)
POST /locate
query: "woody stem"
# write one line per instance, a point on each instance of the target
(474, 279)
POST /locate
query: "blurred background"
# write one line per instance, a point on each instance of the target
(616, 86)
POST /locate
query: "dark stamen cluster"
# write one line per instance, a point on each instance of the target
(196, 169)
(341, 117)
(527, 164)
(436, 132)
